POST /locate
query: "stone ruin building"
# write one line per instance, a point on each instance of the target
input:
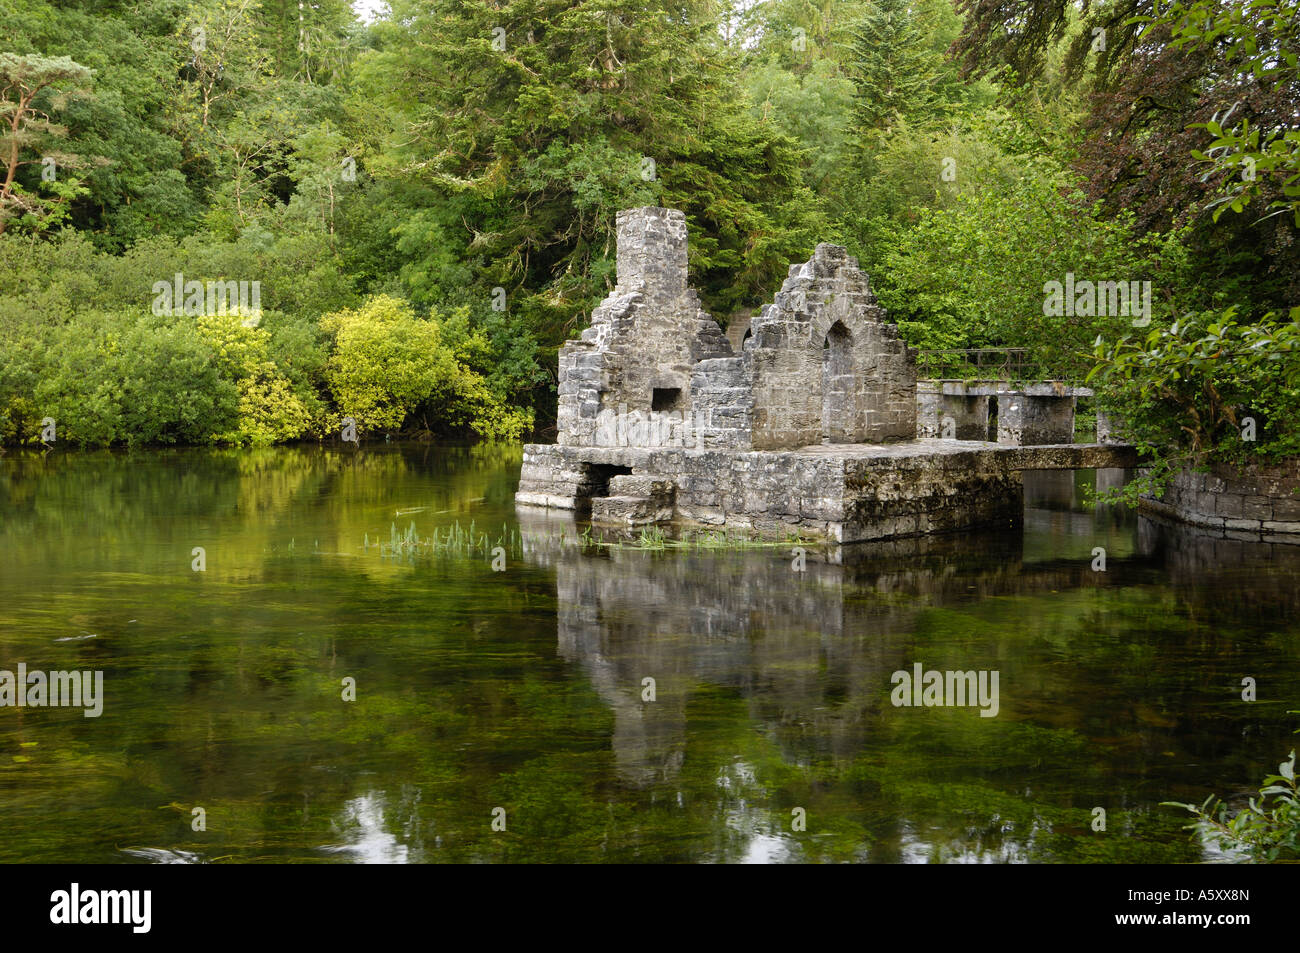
(821, 364)
(811, 428)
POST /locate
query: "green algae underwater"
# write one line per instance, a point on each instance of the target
(504, 714)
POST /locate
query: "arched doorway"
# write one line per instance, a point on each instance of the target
(837, 385)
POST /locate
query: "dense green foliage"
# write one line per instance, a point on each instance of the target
(1159, 78)
(387, 365)
(1261, 43)
(1205, 388)
(1210, 371)
(960, 278)
(427, 200)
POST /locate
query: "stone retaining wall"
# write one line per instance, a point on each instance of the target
(1259, 501)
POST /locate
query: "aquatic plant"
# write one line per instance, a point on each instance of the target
(458, 541)
(453, 540)
(655, 539)
(1267, 829)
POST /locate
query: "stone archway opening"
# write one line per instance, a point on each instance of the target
(837, 385)
(595, 484)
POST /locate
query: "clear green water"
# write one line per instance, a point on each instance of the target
(523, 689)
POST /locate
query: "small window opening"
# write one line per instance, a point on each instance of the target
(665, 398)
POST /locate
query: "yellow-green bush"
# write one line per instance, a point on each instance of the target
(391, 368)
(270, 411)
(124, 378)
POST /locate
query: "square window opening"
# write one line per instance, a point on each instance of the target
(666, 398)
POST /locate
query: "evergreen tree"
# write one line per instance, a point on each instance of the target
(532, 122)
(899, 62)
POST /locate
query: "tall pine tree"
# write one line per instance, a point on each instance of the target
(530, 123)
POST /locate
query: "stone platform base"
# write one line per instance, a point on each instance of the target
(844, 492)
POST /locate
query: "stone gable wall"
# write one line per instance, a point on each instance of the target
(651, 350)
(875, 373)
(648, 333)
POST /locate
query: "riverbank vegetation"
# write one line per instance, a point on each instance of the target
(1266, 829)
(476, 542)
(426, 201)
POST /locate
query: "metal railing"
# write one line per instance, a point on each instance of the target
(986, 363)
(995, 363)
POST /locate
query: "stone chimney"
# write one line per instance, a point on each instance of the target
(652, 252)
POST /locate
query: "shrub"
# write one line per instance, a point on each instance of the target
(21, 351)
(1267, 829)
(269, 409)
(124, 379)
(389, 367)
(1184, 393)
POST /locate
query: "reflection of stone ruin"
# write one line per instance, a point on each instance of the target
(736, 621)
(812, 652)
(811, 428)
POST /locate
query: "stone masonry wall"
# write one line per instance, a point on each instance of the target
(1259, 501)
(776, 493)
(722, 390)
(892, 496)
(949, 416)
(862, 388)
(823, 361)
(1025, 420)
(648, 333)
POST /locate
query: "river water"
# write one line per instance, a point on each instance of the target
(280, 686)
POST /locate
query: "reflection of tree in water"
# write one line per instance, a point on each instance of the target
(103, 504)
(772, 687)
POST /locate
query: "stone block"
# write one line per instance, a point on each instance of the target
(1281, 526)
(1257, 507)
(1286, 509)
(629, 510)
(1228, 505)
